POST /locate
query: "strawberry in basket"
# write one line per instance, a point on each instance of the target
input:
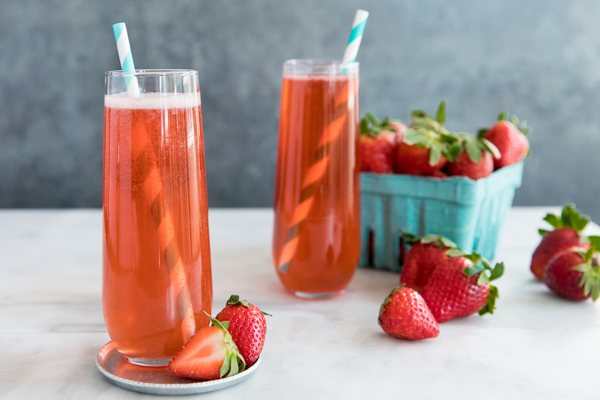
(378, 142)
(509, 137)
(567, 233)
(472, 157)
(425, 146)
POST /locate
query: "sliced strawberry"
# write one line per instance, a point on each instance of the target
(209, 354)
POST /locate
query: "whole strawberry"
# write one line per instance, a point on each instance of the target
(566, 234)
(425, 146)
(575, 273)
(378, 142)
(472, 157)
(426, 253)
(209, 354)
(405, 315)
(510, 140)
(247, 326)
(460, 286)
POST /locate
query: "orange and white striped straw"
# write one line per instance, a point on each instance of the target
(154, 193)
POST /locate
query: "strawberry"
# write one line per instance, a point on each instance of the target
(377, 143)
(247, 326)
(438, 174)
(425, 145)
(460, 286)
(209, 354)
(472, 157)
(424, 256)
(566, 234)
(405, 315)
(510, 140)
(575, 273)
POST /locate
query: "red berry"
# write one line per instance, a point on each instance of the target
(405, 315)
(562, 277)
(464, 166)
(512, 144)
(247, 327)
(414, 160)
(566, 234)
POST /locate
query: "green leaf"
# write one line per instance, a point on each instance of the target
(503, 116)
(473, 270)
(594, 242)
(543, 232)
(497, 272)
(454, 150)
(514, 120)
(490, 147)
(482, 132)
(483, 279)
(553, 220)
(473, 151)
(490, 306)
(455, 253)
(440, 116)
(450, 244)
(226, 364)
(410, 238)
(448, 138)
(364, 126)
(435, 153)
(416, 115)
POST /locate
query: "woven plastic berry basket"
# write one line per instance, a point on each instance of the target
(468, 212)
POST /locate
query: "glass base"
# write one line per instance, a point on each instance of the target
(315, 296)
(149, 363)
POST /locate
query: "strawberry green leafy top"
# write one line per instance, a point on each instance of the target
(570, 217)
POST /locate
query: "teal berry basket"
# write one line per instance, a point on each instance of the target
(468, 212)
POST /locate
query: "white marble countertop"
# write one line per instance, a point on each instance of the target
(535, 346)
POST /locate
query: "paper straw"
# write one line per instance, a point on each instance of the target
(329, 136)
(153, 189)
(126, 59)
(358, 27)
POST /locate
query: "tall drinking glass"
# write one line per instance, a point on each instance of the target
(316, 242)
(157, 281)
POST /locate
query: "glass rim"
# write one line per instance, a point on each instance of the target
(153, 72)
(319, 66)
(317, 62)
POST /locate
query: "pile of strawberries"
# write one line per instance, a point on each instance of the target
(439, 282)
(233, 342)
(427, 148)
(566, 260)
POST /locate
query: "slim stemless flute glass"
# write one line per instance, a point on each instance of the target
(157, 281)
(316, 242)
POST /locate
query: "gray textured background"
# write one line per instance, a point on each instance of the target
(538, 59)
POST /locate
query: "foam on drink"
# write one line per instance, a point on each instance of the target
(152, 101)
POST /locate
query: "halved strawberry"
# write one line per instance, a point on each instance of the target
(209, 354)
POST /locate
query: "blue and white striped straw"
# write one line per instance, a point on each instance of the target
(358, 27)
(126, 58)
